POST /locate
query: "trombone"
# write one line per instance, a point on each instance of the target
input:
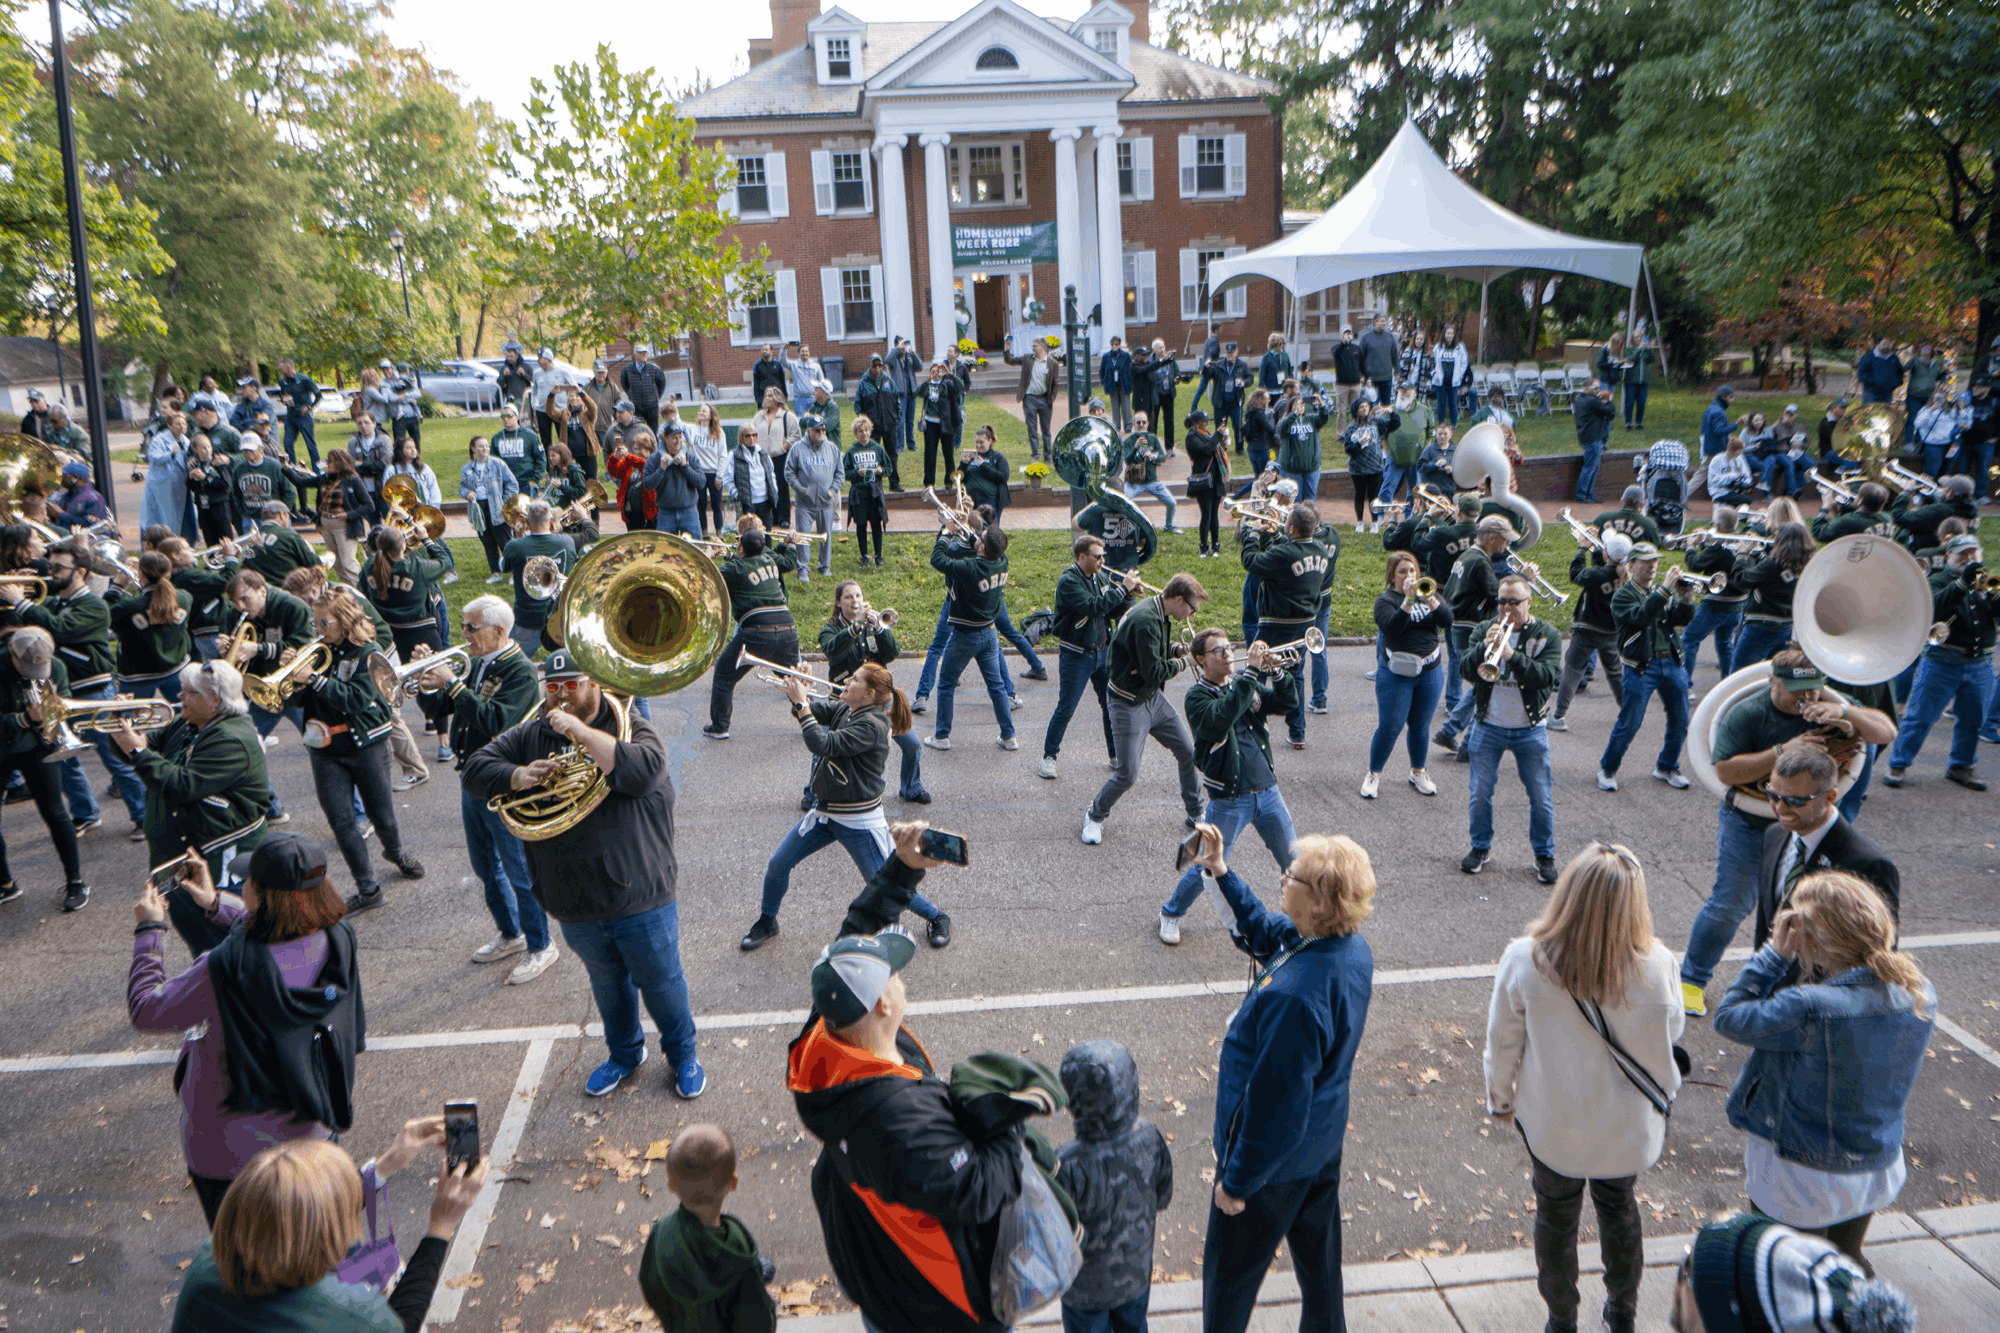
(953, 522)
(1585, 536)
(269, 692)
(398, 683)
(1696, 536)
(775, 675)
(1533, 573)
(793, 535)
(1287, 655)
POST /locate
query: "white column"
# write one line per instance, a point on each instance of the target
(893, 209)
(1110, 234)
(1069, 231)
(937, 211)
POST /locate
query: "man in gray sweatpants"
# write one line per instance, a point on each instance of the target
(813, 470)
(1144, 657)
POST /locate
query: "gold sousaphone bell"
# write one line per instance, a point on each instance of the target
(415, 517)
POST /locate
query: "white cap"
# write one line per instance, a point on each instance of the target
(1791, 407)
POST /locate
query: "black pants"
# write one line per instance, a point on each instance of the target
(214, 524)
(1558, 1210)
(546, 424)
(493, 538)
(781, 503)
(1304, 1213)
(209, 1189)
(408, 638)
(411, 428)
(1210, 501)
(774, 643)
(862, 527)
(44, 784)
(196, 928)
(710, 502)
(764, 512)
(336, 777)
(650, 414)
(1385, 392)
(1165, 423)
(1843, 1236)
(1365, 486)
(934, 434)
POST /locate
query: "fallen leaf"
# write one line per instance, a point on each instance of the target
(613, 1241)
(548, 1221)
(740, 1043)
(1430, 1076)
(469, 1280)
(147, 1216)
(76, 1258)
(656, 1151)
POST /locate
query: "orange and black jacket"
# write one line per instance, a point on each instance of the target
(908, 1199)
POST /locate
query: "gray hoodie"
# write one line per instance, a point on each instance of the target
(1119, 1172)
(1378, 355)
(814, 474)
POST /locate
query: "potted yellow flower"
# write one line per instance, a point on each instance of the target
(1036, 472)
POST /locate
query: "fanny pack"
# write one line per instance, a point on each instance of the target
(319, 735)
(1409, 664)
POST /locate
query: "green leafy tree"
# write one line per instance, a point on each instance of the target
(623, 239)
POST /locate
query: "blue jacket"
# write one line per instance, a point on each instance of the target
(1114, 371)
(1281, 1096)
(1879, 375)
(1832, 1064)
(1715, 426)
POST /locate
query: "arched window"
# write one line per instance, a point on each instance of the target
(996, 57)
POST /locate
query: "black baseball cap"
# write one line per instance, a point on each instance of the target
(1194, 416)
(852, 973)
(559, 664)
(284, 862)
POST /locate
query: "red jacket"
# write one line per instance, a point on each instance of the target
(627, 470)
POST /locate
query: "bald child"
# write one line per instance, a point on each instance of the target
(701, 1272)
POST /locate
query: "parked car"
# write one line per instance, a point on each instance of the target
(576, 376)
(473, 385)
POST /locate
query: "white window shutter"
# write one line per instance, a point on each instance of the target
(829, 295)
(1142, 168)
(1238, 296)
(868, 183)
(875, 296)
(774, 180)
(1148, 283)
(1233, 148)
(1187, 166)
(822, 170)
(725, 203)
(1190, 285)
(788, 305)
(739, 318)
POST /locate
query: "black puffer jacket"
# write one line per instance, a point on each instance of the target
(1118, 1171)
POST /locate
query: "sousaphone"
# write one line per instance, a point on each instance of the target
(1087, 453)
(643, 613)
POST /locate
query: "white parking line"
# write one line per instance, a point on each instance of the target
(1968, 1041)
(465, 1246)
(427, 1041)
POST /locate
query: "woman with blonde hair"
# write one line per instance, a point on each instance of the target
(288, 1222)
(1580, 1059)
(1838, 1020)
(1281, 1093)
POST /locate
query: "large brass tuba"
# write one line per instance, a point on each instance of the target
(1482, 457)
(1088, 454)
(24, 458)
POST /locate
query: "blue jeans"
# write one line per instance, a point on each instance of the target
(502, 866)
(1635, 404)
(1158, 490)
(906, 421)
(296, 427)
(1989, 730)
(1760, 641)
(910, 780)
(1394, 478)
(940, 636)
(1724, 620)
(1073, 672)
(1945, 677)
(1308, 483)
(77, 795)
(1127, 1318)
(632, 959)
(1530, 747)
(1850, 804)
(1934, 457)
(1457, 694)
(1795, 470)
(868, 848)
(1004, 625)
(1319, 659)
(1447, 403)
(982, 646)
(801, 404)
(1983, 459)
(1262, 810)
(1250, 585)
(1277, 636)
(686, 520)
(1586, 480)
(1664, 675)
(1403, 703)
(1739, 845)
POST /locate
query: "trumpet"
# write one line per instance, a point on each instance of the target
(211, 557)
(1496, 648)
(398, 683)
(775, 675)
(952, 521)
(793, 535)
(1696, 536)
(1905, 480)
(1427, 589)
(1257, 513)
(1437, 501)
(1689, 579)
(25, 582)
(1533, 573)
(63, 719)
(1287, 655)
(1830, 489)
(1585, 535)
(542, 578)
(270, 692)
(712, 549)
(1939, 632)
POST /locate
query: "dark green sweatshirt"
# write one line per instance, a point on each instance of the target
(1289, 574)
(147, 651)
(1141, 657)
(978, 586)
(702, 1281)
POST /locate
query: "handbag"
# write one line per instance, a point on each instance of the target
(374, 1261)
(1648, 1086)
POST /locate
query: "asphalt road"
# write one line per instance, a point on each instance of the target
(1054, 943)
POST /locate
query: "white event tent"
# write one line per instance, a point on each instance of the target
(1411, 213)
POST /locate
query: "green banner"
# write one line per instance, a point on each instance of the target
(974, 245)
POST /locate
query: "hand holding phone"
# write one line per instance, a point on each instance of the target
(461, 1135)
(1189, 850)
(947, 847)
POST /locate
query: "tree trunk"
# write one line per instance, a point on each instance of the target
(1812, 376)
(1535, 323)
(479, 329)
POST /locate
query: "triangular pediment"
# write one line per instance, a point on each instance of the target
(973, 51)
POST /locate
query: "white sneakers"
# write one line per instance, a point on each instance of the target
(1422, 782)
(1170, 929)
(1370, 785)
(501, 946)
(1093, 832)
(1672, 777)
(1007, 743)
(1605, 782)
(532, 965)
(1048, 767)
(938, 742)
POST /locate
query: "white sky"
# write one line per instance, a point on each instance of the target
(494, 52)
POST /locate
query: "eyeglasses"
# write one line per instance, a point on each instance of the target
(1512, 601)
(566, 684)
(1795, 802)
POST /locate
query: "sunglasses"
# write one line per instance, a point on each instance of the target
(567, 684)
(1621, 853)
(1795, 802)
(1513, 601)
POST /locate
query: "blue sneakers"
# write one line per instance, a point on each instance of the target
(606, 1077)
(691, 1080)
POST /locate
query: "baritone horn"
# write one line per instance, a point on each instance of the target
(1688, 578)
(566, 797)
(398, 683)
(270, 691)
(63, 719)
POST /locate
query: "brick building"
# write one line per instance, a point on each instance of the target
(933, 180)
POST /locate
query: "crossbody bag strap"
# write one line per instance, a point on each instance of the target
(1648, 1086)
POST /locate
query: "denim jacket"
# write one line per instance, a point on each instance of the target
(1832, 1063)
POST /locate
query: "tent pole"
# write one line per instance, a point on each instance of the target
(1632, 311)
(1653, 304)
(1484, 355)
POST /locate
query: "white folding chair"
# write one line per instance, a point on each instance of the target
(1556, 390)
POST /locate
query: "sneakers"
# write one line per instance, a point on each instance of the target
(533, 965)
(1475, 861)
(1369, 674)
(1672, 777)
(444, 753)
(1049, 766)
(1693, 1001)
(715, 733)
(920, 796)
(495, 578)
(1583, 686)
(937, 742)
(358, 903)
(690, 1081)
(138, 834)
(938, 931)
(764, 928)
(282, 817)
(1421, 780)
(1170, 929)
(1014, 701)
(1444, 742)
(920, 705)
(1965, 776)
(76, 896)
(500, 946)
(1545, 869)
(1093, 831)
(1316, 708)
(1558, 724)
(604, 1079)
(9, 891)
(410, 866)
(1370, 786)
(1042, 673)
(1894, 777)
(410, 780)
(1606, 782)
(1008, 743)
(86, 825)
(1298, 742)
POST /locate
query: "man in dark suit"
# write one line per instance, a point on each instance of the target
(1811, 835)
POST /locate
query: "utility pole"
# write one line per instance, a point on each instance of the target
(79, 258)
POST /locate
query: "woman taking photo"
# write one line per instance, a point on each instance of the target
(709, 444)
(849, 639)
(274, 1260)
(374, 399)
(346, 510)
(575, 418)
(1767, 619)
(848, 737)
(151, 627)
(639, 506)
(1208, 479)
(866, 467)
(410, 463)
(289, 970)
(1837, 1020)
(1281, 1091)
(1409, 672)
(403, 584)
(212, 491)
(1588, 974)
(485, 483)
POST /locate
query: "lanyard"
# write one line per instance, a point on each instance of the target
(1271, 969)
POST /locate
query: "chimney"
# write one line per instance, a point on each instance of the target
(788, 23)
(760, 51)
(1142, 29)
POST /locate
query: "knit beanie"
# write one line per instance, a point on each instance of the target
(1760, 1276)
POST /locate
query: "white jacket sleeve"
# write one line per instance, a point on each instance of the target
(1506, 1039)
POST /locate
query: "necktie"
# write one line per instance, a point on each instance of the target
(1797, 871)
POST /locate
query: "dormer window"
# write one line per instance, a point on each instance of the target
(839, 58)
(996, 57)
(1106, 41)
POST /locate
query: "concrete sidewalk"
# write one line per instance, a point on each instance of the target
(1947, 1261)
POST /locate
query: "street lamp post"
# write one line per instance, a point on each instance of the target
(396, 244)
(79, 252)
